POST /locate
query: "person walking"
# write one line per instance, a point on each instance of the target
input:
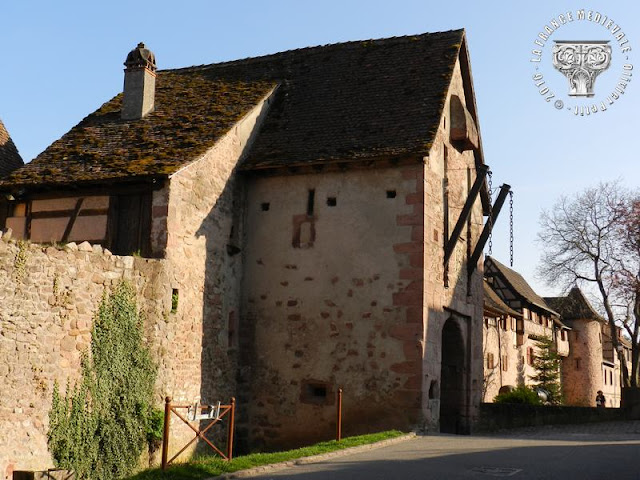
(601, 402)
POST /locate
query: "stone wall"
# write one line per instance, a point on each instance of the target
(499, 416)
(202, 231)
(190, 296)
(330, 302)
(459, 298)
(48, 297)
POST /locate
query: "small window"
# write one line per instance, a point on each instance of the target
(331, 201)
(391, 194)
(311, 197)
(505, 363)
(433, 390)
(265, 206)
(577, 364)
(490, 361)
(316, 392)
(174, 300)
(530, 356)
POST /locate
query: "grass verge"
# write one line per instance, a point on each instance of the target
(205, 467)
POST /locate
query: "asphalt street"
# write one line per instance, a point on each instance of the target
(608, 451)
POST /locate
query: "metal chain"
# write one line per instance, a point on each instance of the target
(511, 226)
(489, 181)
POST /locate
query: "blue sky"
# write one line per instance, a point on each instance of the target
(62, 60)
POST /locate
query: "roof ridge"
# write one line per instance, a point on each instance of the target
(349, 43)
(503, 267)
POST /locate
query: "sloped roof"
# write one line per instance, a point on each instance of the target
(520, 285)
(622, 339)
(193, 110)
(574, 306)
(10, 159)
(335, 103)
(493, 303)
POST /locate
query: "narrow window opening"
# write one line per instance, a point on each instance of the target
(391, 194)
(174, 300)
(319, 391)
(310, 202)
(265, 206)
(331, 201)
(316, 392)
(433, 390)
(231, 329)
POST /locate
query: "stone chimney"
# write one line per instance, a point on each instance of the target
(139, 83)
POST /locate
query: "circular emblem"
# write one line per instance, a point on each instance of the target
(582, 77)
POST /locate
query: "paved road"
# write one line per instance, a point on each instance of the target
(608, 451)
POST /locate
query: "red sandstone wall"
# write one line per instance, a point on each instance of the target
(333, 299)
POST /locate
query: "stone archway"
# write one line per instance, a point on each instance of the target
(452, 379)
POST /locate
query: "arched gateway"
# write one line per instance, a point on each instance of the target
(453, 380)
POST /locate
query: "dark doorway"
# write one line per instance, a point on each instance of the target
(452, 379)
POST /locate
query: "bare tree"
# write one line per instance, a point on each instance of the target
(627, 280)
(582, 244)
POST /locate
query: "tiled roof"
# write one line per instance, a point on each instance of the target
(193, 110)
(493, 303)
(574, 306)
(520, 285)
(10, 159)
(342, 102)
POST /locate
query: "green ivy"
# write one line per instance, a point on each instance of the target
(101, 426)
(20, 262)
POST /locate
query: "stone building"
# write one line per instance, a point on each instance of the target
(515, 317)
(592, 364)
(303, 208)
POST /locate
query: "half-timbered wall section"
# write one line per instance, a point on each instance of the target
(119, 221)
(515, 318)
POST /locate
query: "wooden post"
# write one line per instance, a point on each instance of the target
(232, 419)
(165, 432)
(339, 416)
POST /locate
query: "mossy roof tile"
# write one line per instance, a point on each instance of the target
(10, 159)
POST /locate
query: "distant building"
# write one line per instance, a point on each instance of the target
(510, 333)
(592, 364)
(515, 316)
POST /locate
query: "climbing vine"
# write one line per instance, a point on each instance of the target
(20, 262)
(101, 425)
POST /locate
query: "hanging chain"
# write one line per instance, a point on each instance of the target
(490, 213)
(511, 226)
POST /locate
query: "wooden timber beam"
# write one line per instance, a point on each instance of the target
(488, 227)
(466, 211)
